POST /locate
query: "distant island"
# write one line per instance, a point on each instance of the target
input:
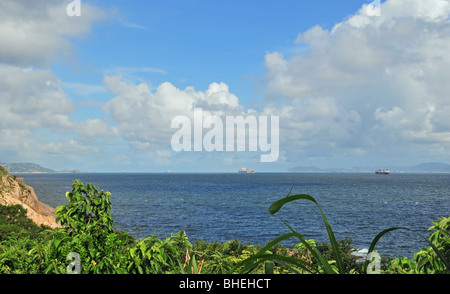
(429, 167)
(24, 168)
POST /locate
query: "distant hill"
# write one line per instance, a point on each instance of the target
(429, 167)
(26, 168)
(32, 168)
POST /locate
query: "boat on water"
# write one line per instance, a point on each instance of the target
(246, 171)
(382, 171)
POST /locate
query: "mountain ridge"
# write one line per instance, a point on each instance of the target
(32, 168)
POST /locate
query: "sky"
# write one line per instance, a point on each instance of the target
(351, 83)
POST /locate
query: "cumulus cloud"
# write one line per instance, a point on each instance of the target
(144, 117)
(34, 31)
(35, 111)
(369, 81)
(32, 99)
(34, 107)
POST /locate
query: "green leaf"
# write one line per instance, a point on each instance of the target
(277, 205)
(268, 268)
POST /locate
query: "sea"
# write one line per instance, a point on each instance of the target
(232, 206)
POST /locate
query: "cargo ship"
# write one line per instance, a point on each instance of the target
(382, 171)
(246, 171)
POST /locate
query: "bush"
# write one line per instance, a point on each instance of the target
(336, 256)
(350, 261)
(13, 220)
(88, 243)
(430, 260)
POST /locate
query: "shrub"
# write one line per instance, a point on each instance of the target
(89, 235)
(336, 258)
(13, 220)
(430, 260)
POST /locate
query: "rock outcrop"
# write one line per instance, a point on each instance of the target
(13, 190)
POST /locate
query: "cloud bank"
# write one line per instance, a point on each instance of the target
(370, 85)
(35, 118)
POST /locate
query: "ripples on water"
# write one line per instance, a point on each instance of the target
(222, 207)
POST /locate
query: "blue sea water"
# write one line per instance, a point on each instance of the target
(226, 206)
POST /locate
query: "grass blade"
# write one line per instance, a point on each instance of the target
(252, 262)
(277, 205)
(381, 234)
(375, 241)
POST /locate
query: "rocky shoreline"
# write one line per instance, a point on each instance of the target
(14, 190)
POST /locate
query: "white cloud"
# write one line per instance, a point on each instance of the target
(95, 128)
(144, 117)
(32, 99)
(36, 112)
(370, 81)
(34, 31)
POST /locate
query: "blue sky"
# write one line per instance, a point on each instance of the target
(195, 43)
(98, 92)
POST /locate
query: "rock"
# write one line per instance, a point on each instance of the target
(13, 190)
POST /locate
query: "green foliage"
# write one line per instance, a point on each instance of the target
(349, 260)
(219, 258)
(320, 265)
(3, 171)
(154, 256)
(337, 256)
(88, 210)
(90, 230)
(430, 260)
(19, 235)
(89, 235)
(13, 220)
(437, 261)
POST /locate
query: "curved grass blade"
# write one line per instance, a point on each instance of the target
(438, 252)
(322, 261)
(382, 233)
(252, 262)
(277, 205)
(375, 241)
(441, 256)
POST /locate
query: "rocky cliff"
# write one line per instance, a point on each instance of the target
(13, 190)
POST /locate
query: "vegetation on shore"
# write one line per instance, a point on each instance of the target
(88, 243)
